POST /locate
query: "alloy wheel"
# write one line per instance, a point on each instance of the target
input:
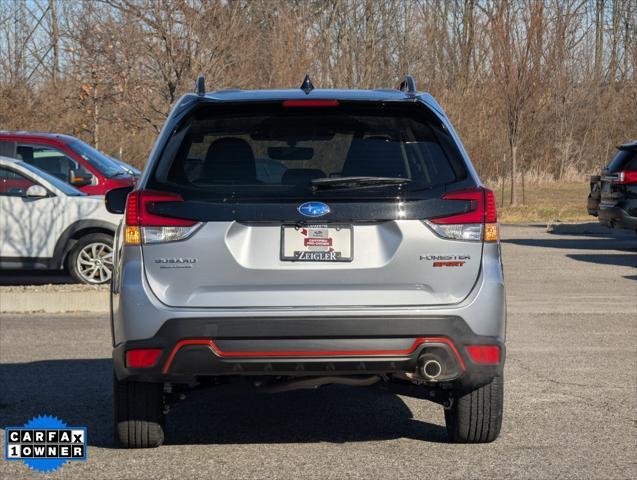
(95, 263)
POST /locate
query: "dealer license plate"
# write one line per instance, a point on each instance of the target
(317, 243)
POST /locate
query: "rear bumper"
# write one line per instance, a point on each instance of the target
(308, 347)
(214, 341)
(615, 216)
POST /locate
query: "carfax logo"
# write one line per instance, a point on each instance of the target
(45, 443)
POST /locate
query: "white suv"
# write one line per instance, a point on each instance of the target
(47, 224)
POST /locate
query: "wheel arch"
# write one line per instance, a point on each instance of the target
(73, 233)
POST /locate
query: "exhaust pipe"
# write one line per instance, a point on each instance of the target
(431, 369)
(438, 363)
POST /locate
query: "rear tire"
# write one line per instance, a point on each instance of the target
(138, 414)
(476, 417)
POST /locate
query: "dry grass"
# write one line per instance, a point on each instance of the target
(544, 203)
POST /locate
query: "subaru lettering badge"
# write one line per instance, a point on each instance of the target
(313, 209)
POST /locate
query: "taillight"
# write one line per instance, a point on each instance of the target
(144, 226)
(310, 103)
(479, 223)
(625, 177)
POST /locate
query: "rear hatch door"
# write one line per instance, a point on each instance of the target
(311, 207)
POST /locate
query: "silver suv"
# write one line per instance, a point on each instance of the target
(288, 239)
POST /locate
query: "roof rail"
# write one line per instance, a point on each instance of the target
(200, 85)
(408, 84)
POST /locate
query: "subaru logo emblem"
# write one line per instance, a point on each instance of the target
(313, 209)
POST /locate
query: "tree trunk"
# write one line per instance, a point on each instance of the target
(18, 42)
(523, 189)
(599, 37)
(514, 159)
(503, 178)
(615, 40)
(627, 40)
(96, 120)
(54, 40)
(467, 39)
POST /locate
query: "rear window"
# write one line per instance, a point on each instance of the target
(624, 160)
(272, 152)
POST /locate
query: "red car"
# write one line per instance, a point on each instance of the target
(67, 158)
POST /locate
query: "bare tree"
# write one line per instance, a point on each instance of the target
(599, 37)
(550, 86)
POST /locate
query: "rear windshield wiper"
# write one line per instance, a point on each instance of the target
(354, 182)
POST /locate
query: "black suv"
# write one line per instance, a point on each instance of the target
(618, 187)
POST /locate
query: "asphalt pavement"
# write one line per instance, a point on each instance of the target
(570, 403)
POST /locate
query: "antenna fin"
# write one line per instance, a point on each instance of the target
(307, 86)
